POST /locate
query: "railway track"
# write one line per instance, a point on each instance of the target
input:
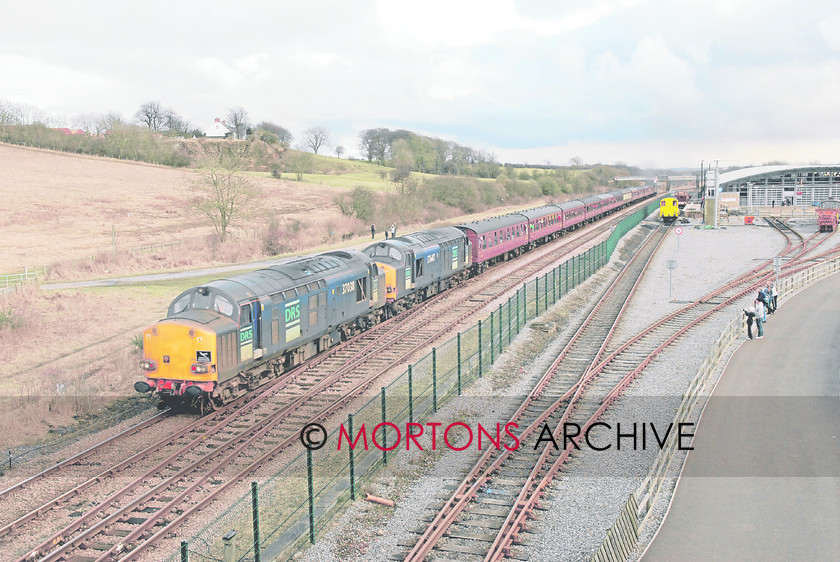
(102, 517)
(486, 508)
(478, 522)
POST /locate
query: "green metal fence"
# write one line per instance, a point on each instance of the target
(298, 502)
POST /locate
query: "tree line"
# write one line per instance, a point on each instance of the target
(409, 152)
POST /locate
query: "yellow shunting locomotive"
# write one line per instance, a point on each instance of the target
(669, 209)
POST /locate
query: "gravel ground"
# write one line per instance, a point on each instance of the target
(586, 501)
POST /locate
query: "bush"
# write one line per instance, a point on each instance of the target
(548, 185)
(137, 342)
(363, 203)
(10, 319)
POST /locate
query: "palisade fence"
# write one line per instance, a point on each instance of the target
(293, 506)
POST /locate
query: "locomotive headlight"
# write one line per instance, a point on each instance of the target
(199, 368)
(148, 365)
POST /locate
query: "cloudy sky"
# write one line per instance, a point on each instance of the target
(643, 82)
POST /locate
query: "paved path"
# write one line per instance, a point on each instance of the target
(763, 480)
(152, 277)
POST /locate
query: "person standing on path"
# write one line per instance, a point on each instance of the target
(760, 311)
(372, 231)
(393, 230)
(750, 314)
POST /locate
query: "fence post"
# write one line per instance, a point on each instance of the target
(492, 333)
(479, 355)
(352, 464)
(384, 431)
(566, 275)
(537, 292)
(459, 368)
(255, 510)
(510, 310)
(185, 551)
(410, 395)
(434, 380)
(554, 284)
(517, 311)
(525, 300)
(545, 288)
(501, 334)
(229, 548)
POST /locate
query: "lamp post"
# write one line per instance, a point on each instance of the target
(671, 265)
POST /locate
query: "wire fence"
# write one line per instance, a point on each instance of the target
(299, 501)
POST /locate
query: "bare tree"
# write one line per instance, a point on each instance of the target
(316, 137)
(237, 117)
(175, 124)
(96, 123)
(222, 192)
(87, 122)
(152, 114)
(283, 134)
(109, 122)
(339, 150)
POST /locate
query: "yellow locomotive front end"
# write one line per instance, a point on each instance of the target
(669, 209)
(179, 359)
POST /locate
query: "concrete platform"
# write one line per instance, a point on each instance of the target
(763, 480)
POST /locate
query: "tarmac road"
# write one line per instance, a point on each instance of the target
(763, 480)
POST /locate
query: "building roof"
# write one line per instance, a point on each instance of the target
(744, 174)
(217, 129)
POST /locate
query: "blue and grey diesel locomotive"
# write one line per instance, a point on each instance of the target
(224, 338)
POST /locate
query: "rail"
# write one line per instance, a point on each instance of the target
(290, 516)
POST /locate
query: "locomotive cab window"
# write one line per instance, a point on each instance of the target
(244, 314)
(182, 304)
(222, 305)
(361, 289)
(418, 267)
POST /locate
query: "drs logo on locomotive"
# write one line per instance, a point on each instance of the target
(292, 314)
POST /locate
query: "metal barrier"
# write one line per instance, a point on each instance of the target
(13, 281)
(298, 502)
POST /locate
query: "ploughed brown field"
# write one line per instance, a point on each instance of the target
(59, 207)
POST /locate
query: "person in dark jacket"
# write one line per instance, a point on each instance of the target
(372, 231)
(750, 314)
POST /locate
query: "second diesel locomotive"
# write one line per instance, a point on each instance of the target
(222, 339)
